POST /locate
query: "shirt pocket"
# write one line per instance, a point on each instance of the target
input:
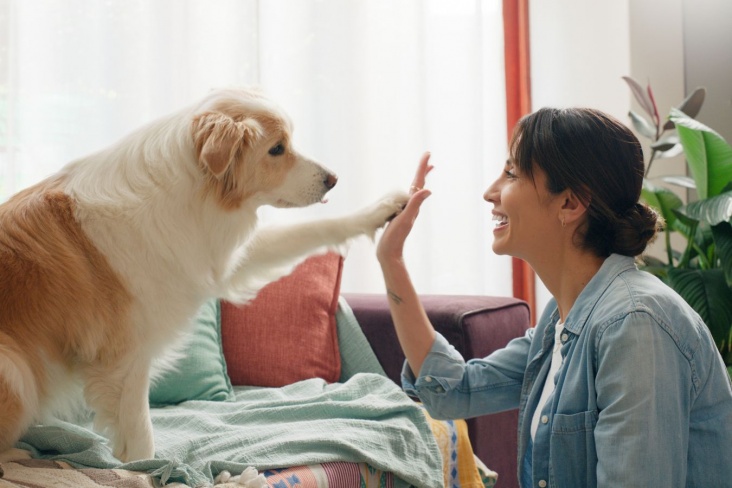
(572, 446)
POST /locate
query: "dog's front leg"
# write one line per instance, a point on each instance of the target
(274, 251)
(119, 396)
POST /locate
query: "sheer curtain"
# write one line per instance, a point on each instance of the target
(370, 85)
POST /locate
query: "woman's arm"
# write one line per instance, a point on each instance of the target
(447, 385)
(414, 330)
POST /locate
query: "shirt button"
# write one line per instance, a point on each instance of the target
(440, 389)
(428, 379)
(542, 484)
(544, 419)
(565, 337)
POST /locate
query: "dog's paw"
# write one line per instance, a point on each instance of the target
(381, 212)
(127, 450)
(14, 454)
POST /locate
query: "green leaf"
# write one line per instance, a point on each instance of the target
(687, 227)
(642, 126)
(705, 241)
(703, 237)
(722, 234)
(708, 155)
(656, 268)
(700, 243)
(713, 210)
(706, 291)
(683, 224)
(663, 200)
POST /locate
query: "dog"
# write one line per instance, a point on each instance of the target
(105, 263)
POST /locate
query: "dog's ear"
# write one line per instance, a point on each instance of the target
(218, 138)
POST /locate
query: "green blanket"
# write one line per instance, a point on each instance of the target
(365, 419)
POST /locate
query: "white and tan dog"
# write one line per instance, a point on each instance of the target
(103, 264)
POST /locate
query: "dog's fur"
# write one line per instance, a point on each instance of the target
(103, 264)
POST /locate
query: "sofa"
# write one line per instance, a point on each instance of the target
(475, 326)
(301, 384)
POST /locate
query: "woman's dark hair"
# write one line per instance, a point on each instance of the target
(601, 161)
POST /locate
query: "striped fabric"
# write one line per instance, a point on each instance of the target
(460, 469)
(42, 473)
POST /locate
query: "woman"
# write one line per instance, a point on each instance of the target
(620, 382)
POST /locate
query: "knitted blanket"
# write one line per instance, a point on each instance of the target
(367, 419)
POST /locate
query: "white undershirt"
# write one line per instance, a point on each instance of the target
(549, 383)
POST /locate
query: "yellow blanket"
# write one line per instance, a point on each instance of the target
(461, 468)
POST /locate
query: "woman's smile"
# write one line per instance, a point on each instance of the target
(501, 222)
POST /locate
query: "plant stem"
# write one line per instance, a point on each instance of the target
(659, 133)
(669, 251)
(650, 161)
(703, 260)
(686, 257)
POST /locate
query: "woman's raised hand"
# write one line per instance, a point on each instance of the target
(391, 244)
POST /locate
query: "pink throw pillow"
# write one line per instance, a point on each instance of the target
(288, 333)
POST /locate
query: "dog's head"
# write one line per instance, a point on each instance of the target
(243, 144)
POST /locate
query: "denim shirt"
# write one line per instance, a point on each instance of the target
(642, 398)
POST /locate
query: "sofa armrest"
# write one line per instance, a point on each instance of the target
(475, 326)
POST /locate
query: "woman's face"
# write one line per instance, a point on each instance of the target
(527, 216)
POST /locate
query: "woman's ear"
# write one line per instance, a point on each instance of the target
(573, 208)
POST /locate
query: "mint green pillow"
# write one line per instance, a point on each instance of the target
(201, 373)
(357, 356)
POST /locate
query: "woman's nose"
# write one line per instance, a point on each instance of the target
(492, 193)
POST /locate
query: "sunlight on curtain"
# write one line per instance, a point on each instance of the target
(369, 85)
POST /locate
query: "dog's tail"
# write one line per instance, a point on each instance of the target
(19, 393)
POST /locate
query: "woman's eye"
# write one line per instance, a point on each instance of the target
(508, 174)
(277, 150)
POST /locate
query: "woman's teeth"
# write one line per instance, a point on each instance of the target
(500, 220)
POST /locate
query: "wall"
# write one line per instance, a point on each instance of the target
(707, 26)
(580, 50)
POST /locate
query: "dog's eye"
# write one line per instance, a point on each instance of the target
(277, 150)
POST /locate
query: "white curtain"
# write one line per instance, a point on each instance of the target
(370, 85)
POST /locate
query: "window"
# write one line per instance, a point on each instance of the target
(369, 85)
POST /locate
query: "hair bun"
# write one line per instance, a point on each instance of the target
(635, 229)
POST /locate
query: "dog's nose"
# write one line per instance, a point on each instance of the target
(330, 181)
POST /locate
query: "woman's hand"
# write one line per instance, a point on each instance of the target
(391, 244)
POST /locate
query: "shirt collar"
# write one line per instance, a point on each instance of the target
(613, 266)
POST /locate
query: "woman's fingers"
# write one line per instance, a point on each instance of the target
(423, 168)
(398, 229)
(414, 203)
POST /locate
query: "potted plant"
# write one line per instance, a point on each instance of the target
(701, 272)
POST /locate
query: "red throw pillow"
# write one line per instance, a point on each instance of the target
(288, 333)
